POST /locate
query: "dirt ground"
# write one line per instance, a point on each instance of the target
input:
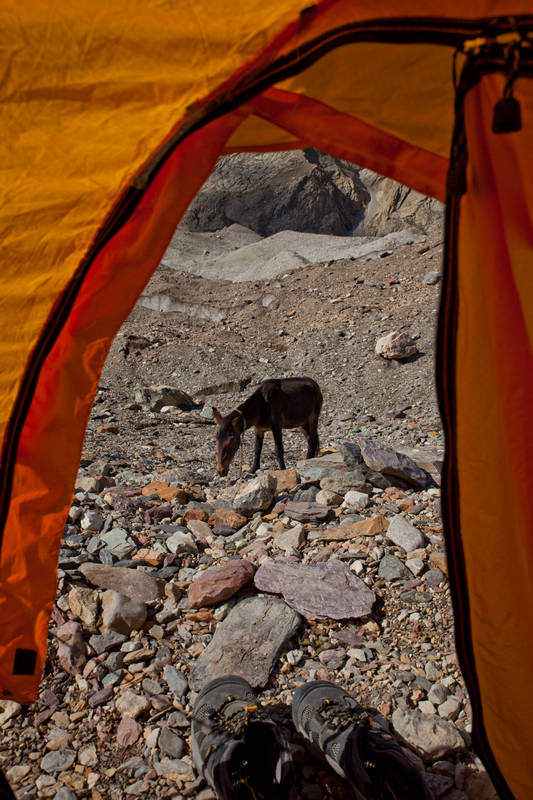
(320, 320)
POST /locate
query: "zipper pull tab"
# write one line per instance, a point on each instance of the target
(507, 117)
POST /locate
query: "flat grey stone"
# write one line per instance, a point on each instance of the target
(314, 469)
(170, 743)
(384, 459)
(106, 641)
(132, 583)
(317, 591)
(159, 396)
(122, 614)
(177, 682)
(247, 642)
(114, 537)
(171, 766)
(392, 569)
(58, 760)
(404, 534)
(431, 736)
(344, 481)
(64, 793)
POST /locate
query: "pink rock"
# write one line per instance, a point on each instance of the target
(306, 512)
(256, 552)
(71, 651)
(100, 697)
(72, 657)
(216, 584)
(396, 345)
(128, 731)
(317, 591)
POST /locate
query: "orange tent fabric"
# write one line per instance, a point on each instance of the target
(113, 116)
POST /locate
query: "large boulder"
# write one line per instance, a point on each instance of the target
(317, 591)
(304, 191)
(388, 461)
(255, 495)
(393, 207)
(157, 397)
(247, 642)
(216, 584)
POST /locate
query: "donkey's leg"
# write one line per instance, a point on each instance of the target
(312, 441)
(257, 450)
(278, 441)
(305, 430)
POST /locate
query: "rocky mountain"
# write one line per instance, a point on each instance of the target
(307, 191)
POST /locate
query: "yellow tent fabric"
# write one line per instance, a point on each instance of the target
(112, 117)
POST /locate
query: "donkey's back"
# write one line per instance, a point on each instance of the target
(291, 401)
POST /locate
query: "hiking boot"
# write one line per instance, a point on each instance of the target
(368, 757)
(235, 746)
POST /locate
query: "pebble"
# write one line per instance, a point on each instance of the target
(8, 710)
(64, 793)
(403, 534)
(129, 704)
(176, 680)
(170, 743)
(58, 760)
(219, 583)
(128, 731)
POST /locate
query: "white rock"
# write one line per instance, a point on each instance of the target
(450, 708)
(8, 709)
(357, 653)
(151, 735)
(84, 604)
(87, 755)
(328, 498)
(256, 495)
(354, 499)
(92, 521)
(121, 614)
(438, 694)
(404, 534)
(295, 656)
(396, 345)
(131, 704)
(415, 565)
(430, 735)
(181, 542)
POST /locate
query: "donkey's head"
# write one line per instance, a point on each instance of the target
(228, 436)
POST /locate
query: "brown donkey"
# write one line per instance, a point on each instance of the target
(276, 404)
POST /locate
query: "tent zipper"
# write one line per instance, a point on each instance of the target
(482, 55)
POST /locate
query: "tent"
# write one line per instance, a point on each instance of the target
(113, 115)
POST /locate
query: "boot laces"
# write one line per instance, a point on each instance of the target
(235, 724)
(342, 716)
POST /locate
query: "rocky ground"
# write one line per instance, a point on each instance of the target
(170, 575)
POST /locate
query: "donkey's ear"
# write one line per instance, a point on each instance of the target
(217, 416)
